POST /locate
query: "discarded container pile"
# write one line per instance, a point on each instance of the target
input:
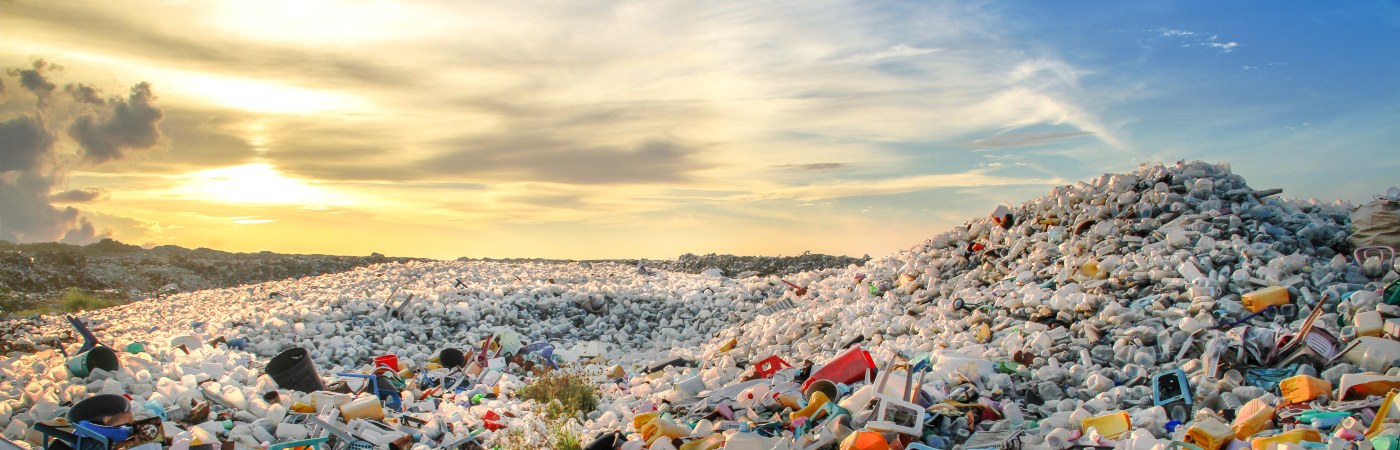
(1170, 308)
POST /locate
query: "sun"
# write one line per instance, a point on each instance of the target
(256, 183)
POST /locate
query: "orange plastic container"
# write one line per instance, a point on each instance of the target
(1270, 296)
(1252, 418)
(1303, 388)
(1210, 434)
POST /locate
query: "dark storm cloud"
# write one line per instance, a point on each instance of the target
(85, 94)
(35, 81)
(26, 144)
(1025, 139)
(78, 196)
(31, 170)
(131, 126)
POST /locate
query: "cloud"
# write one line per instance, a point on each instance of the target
(85, 94)
(1025, 139)
(526, 158)
(814, 166)
(130, 126)
(901, 185)
(31, 167)
(1196, 39)
(78, 196)
(26, 144)
(35, 81)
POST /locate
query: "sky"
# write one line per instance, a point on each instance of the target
(627, 129)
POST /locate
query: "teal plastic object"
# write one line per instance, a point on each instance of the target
(314, 443)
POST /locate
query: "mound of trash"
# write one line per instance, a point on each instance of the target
(1173, 307)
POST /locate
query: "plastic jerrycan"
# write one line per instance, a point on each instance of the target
(1270, 296)
(662, 427)
(813, 405)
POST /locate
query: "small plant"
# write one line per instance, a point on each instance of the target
(565, 438)
(564, 394)
(75, 300)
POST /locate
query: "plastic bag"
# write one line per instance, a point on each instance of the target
(1377, 222)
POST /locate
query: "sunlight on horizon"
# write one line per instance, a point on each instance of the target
(257, 183)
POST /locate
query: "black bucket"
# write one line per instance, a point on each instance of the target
(452, 358)
(293, 369)
(98, 407)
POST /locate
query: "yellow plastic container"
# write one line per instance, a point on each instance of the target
(1110, 425)
(1270, 296)
(1303, 388)
(1252, 418)
(1298, 435)
(1210, 434)
(661, 427)
(1369, 323)
(815, 403)
(641, 420)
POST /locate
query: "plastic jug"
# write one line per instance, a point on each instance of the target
(1252, 418)
(641, 420)
(662, 427)
(1209, 434)
(1270, 296)
(1303, 388)
(1110, 425)
(1295, 436)
(1373, 354)
(366, 407)
(1369, 323)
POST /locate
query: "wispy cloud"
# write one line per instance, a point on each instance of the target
(1186, 38)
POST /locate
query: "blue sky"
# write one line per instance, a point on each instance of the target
(655, 128)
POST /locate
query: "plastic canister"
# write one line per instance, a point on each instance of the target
(1373, 354)
(1303, 388)
(1209, 434)
(1369, 323)
(365, 407)
(1270, 296)
(1110, 425)
(1297, 435)
(1252, 418)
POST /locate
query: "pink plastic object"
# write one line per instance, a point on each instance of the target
(848, 367)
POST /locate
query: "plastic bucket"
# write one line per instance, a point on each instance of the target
(391, 361)
(97, 407)
(99, 357)
(293, 369)
(452, 358)
(848, 367)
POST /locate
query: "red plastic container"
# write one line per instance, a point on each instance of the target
(848, 367)
(390, 361)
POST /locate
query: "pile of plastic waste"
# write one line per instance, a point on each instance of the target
(1173, 307)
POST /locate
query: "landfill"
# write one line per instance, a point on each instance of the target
(1173, 307)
